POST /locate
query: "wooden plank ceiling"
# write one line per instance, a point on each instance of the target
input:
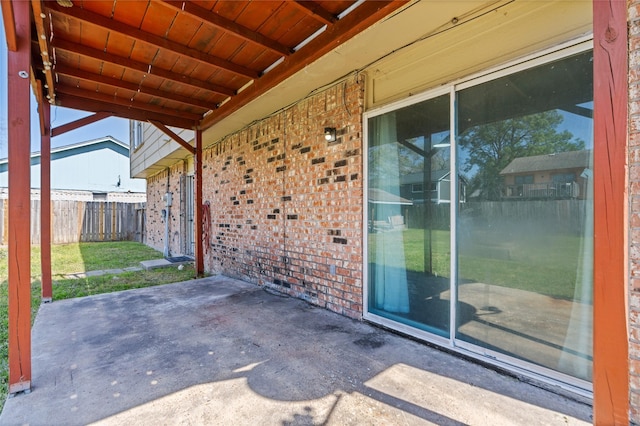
(184, 64)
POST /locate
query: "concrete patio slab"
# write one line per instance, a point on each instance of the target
(221, 351)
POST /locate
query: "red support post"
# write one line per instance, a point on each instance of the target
(19, 203)
(45, 202)
(198, 227)
(610, 313)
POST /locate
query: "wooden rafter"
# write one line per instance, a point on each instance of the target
(99, 55)
(37, 88)
(57, 131)
(9, 22)
(98, 20)
(316, 11)
(78, 102)
(227, 25)
(39, 18)
(362, 17)
(121, 84)
(86, 94)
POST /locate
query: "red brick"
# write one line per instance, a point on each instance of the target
(290, 243)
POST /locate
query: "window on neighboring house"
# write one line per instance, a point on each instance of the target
(524, 179)
(136, 136)
(564, 177)
(417, 187)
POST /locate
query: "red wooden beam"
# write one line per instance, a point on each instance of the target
(610, 333)
(316, 11)
(227, 25)
(126, 103)
(75, 102)
(44, 36)
(198, 226)
(116, 83)
(57, 131)
(9, 25)
(142, 67)
(37, 85)
(45, 202)
(365, 15)
(19, 203)
(173, 135)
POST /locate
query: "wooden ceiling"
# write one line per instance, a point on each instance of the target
(183, 64)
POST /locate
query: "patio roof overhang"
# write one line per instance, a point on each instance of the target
(183, 64)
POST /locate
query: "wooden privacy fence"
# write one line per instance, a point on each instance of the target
(75, 221)
(554, 216)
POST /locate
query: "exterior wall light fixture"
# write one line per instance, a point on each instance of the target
(330, 134)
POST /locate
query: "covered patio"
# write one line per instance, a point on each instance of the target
(125, 357)
(221, 351)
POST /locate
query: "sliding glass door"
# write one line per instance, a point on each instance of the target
(525, 236)
(409, 222)
(519, 235)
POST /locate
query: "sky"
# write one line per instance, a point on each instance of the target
(116, 127)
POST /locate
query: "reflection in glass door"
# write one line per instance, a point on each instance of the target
(525, 233)
(523, 218)
(408, 206)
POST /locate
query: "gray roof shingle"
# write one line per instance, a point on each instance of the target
(556, 161)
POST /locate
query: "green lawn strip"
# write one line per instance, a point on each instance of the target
(70, 288)
(83, 257)
(544, 264)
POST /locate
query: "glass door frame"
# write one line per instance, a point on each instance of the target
(520, 367)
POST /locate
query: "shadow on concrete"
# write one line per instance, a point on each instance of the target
(221, 351)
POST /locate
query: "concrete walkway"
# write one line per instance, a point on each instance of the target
(100, 272)
(221, 351)
(144, 265)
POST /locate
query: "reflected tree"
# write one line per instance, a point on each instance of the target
(380, 168)
(489, 148)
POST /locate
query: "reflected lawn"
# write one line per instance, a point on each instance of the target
(544, 263)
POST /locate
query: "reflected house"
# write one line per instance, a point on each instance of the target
(387, 211)
(437, 189)
(550, 176)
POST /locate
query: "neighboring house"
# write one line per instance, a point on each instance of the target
(549, 176)
(386, 210)
(438, 189)
(93, 170)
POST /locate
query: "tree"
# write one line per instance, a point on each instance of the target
(390, 161)
(489, 148)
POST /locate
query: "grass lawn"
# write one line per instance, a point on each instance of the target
(545, 264)
(83, 257)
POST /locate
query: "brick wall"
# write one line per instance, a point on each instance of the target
(634, 205)
(286, 205)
